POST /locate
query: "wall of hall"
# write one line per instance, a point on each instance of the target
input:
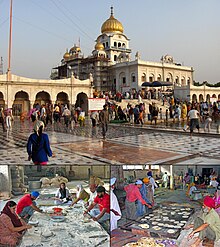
(71, 86)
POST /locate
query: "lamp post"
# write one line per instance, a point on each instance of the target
(9, 52)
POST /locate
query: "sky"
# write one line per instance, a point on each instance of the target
(188, 30)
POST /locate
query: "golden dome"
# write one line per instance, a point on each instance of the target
(112, 25)
(99, 47)
(75, 48)
(66, 55)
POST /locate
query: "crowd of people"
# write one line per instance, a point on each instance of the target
(140, 201)
(14, 217)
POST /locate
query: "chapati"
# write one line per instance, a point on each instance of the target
(145, 226)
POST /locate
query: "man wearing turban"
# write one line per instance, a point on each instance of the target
(208, 226)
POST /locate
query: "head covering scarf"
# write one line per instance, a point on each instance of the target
(138, 182)
(80, 188)
(149, 174)
(14, 218)
(112, 181)
(209, 202)
(37, 126)
(146, 180)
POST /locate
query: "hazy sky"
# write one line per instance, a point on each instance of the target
(188, 30)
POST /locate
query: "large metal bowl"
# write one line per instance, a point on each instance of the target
(33, 185)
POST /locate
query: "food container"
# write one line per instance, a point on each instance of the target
(33, 185)
(57, 210)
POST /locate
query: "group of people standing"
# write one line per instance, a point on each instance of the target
(140, 196)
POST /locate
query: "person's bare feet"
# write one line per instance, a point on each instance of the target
(196, 243)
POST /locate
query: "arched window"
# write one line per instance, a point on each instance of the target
(106, 44)
(115, 58)
(119, 44)
(208, 98)
(188, 81)
(151, 78)
(159, 77)
(194, 98)
(177, 80)
(183, 81)
(143, 77)
(169, 77)
(115, 44)
(200, 98)
(213, 96)
(133, 78)
(123, 45)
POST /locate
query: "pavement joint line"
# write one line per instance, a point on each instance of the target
(174, 131)
(91, 157)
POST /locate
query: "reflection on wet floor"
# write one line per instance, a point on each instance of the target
(124, 145)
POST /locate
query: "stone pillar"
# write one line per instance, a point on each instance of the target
(171, 178)
(5, 181)
(32, 104)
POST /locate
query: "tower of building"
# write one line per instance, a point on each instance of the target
(115, 42)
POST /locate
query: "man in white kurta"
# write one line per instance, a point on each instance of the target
(115, 211)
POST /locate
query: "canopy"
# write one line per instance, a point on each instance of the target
(146, 84)
(156, 84)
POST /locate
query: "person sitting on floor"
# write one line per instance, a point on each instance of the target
(102, 199)
(81, 195)
(63, 195)
(191, 188)
(208, 225)
(11, 226)
(27, 205)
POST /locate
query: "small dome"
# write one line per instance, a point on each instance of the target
(99, 47)
(75, 48)
(66, 55)
(112, 25)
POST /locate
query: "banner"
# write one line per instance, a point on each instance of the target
(96, 104)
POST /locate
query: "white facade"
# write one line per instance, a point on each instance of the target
(26, 91)
(116, 46)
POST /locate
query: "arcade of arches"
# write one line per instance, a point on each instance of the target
(23, 94)
(22, 102)
(208, 97)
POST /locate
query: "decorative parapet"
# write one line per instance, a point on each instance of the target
(24, 80)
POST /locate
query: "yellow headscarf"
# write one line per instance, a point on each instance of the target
(189, 186)
(146, 180)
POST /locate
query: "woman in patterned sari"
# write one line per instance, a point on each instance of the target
(11, 227)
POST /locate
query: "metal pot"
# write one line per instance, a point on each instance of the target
(33, 185)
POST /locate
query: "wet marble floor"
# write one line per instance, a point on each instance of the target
(124, 145)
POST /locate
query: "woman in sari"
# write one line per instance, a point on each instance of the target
(11, 227)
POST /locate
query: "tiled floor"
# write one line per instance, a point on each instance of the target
(124, 145)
